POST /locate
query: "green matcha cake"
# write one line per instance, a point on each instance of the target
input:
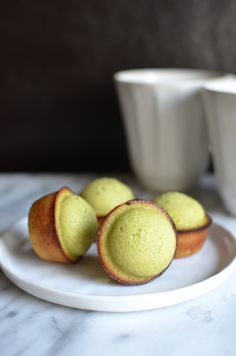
(191, 221)
(186, 212)
(104, 194)
(62, 226)
(136, 242)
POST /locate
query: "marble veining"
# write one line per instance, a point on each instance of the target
(29, 326)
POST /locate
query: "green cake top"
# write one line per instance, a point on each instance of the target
(186, 212)
(104, 194)
(76, 224)
(139, 241)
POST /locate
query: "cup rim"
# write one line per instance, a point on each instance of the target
(225, 85)
(166, 76)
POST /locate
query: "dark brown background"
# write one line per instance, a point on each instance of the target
(58, 107)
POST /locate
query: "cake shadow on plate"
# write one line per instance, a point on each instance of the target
(88, 267)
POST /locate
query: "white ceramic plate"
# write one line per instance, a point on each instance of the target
(86, 286)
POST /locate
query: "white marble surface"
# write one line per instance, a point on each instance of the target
(28, 326)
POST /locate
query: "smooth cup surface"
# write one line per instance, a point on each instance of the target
(220, 106)
(165, 125)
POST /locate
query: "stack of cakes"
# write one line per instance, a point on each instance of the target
(136, 239)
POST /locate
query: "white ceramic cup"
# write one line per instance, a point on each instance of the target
(220, 106)
(165, 125)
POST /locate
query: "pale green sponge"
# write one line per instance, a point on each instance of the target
(137, 242)
(104, 194)
(186, 212)
(76, 224)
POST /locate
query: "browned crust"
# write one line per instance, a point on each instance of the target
(191, 241)
(100, 236)
(42, 229)
(100, 219)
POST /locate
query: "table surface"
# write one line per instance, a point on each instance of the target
(29, 326)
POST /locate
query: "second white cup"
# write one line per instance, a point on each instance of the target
(220, 106)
